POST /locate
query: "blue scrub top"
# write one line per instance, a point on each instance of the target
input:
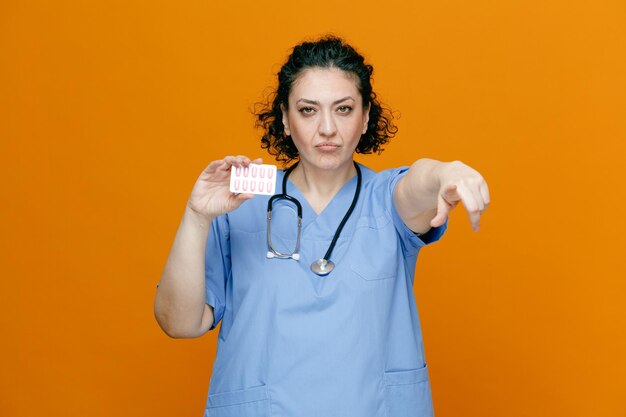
(294, 344)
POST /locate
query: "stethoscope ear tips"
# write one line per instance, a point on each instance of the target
(295, 256)
(269, 255)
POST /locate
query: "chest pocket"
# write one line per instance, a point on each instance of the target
(374, 248)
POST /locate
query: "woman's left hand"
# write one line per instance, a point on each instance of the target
(460, 182)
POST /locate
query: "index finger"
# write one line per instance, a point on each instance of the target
(471, 205)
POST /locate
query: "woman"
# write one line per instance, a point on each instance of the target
(333, 331)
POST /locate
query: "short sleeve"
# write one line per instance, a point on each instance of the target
(408, 236)
(217, 267)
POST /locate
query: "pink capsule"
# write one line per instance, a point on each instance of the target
(261, 186)
(253, 171)
(238, 171)
(237, 184)
(245, 185)
(262, 172)
(270, 173)
(245, 171)
(269, 186)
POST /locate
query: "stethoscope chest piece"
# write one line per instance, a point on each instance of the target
(322, 267)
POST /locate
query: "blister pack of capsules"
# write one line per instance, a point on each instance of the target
(253, 179)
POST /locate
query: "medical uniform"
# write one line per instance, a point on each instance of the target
(295, 344)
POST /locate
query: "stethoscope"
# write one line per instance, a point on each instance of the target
(324, 265)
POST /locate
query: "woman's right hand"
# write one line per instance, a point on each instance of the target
(211, 195)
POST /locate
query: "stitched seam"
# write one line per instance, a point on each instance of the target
(406, 383)
(233, 405)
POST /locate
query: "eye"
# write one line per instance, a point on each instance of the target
(344, 109)
(306, 110)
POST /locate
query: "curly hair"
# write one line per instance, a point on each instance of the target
(327, 52)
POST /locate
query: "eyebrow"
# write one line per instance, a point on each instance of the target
(304, 100)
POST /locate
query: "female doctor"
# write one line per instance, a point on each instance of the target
(318, 317)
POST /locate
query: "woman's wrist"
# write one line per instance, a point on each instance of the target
(196, 218)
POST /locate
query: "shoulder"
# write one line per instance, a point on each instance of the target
(384, 180)
(377, 189)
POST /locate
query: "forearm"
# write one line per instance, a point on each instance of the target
(179, 305)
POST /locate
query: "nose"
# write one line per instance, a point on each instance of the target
(327, 126)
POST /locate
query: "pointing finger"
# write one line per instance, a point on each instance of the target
(471, 206)
(478, 198)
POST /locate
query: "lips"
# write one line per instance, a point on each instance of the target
(327, 146)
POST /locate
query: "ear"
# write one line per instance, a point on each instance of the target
(285, 120)
(366, 117)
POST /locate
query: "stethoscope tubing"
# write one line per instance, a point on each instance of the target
(273, 253)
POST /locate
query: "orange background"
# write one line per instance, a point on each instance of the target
(109, 110)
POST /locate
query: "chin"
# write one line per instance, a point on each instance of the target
(330, 163)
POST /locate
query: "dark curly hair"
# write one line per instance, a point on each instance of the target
(327, 52)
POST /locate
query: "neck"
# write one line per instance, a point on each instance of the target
(320, 186)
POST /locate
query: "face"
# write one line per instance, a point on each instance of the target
(325, 117)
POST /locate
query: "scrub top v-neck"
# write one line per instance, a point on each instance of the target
(292, 343)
